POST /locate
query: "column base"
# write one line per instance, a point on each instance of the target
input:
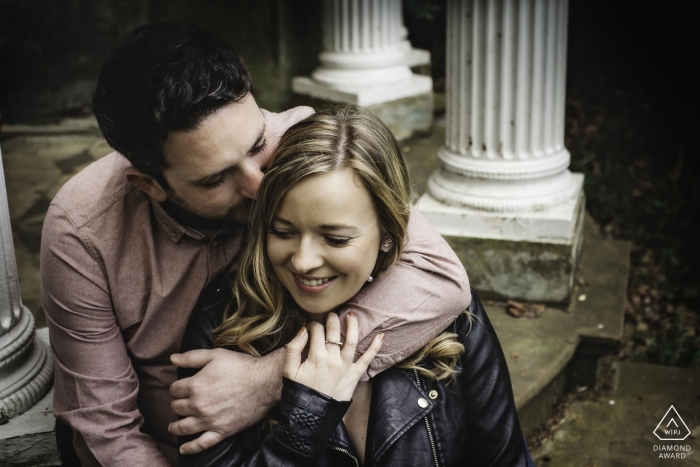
(523, 255)
(30, 438)
(26, 368)
(366, 95)
(408, 113)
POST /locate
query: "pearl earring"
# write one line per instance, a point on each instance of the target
(370, 279)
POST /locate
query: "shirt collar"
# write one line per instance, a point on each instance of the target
(175, 230)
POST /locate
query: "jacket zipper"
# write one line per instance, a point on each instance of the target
(427, 425)
(357, 463)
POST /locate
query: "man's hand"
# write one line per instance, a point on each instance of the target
(231, 392)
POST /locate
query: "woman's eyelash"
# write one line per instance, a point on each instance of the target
(338, 241)
(280, 233)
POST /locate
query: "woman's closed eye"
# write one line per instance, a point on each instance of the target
(282, 234)
(337, 241)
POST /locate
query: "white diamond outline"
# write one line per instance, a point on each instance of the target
(680, 418)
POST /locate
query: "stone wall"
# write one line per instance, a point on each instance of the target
(51, 50)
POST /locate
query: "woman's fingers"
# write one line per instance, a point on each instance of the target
(317, 343)
(332, 332)
(292, 357)
(367, 357)
(351, 333)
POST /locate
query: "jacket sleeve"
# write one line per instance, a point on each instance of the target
(493, 435)
(305, 420)
(305, 417)
(413, 301)
(95, 383)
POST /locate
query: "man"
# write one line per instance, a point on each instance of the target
(131, 241)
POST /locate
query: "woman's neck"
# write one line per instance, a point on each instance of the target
(318, 317)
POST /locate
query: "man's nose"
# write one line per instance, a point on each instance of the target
(249, 180)
(307, 257)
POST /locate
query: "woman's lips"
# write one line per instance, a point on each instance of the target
(312, 289)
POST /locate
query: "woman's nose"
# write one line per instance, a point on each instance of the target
(306, 258)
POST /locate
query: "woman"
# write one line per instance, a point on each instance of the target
(331, 215)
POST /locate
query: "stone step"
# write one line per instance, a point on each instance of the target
(618, 430)
(552, 354)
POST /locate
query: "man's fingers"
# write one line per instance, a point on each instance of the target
(187, 426)
(204, 442)
(371, 352)
(184, 407)
(292, 356)
(193, 359)
(180, 389)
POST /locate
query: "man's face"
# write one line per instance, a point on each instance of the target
(215, 170)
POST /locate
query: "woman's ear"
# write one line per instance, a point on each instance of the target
(386, 243)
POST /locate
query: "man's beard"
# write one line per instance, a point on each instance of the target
(189, 215)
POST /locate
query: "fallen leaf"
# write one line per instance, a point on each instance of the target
(514, 355)
(525, 310)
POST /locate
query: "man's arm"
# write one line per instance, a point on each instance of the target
(95, 384)
(411, 303)
(414, 300)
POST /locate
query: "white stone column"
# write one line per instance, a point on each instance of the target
(26, 365)
(504, 168)
(366, 60)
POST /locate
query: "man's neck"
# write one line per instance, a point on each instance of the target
(190, 220)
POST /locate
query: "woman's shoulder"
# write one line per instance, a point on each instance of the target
(206, 316)
(473, 325)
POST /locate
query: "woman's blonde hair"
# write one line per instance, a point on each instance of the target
(264, 316)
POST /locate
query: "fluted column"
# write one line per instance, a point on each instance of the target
(506, 80)
(365, 55)
(504, 168)
(26, 365)
(364, 43)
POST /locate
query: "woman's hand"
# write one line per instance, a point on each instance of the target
(329, 369)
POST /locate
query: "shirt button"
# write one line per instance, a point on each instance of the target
(173, 233)
(399, 358)
(433, 394)
(215, 244)
(422, 403)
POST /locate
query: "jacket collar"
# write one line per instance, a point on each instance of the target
(393, 410)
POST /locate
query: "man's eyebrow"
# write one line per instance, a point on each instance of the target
(212, 177)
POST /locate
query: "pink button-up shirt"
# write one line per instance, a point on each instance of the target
(120, 278)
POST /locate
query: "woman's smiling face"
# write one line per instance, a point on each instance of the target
(324, 240)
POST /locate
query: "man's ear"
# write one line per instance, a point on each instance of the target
(147, 184)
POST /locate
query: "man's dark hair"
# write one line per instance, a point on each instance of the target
(165, 77)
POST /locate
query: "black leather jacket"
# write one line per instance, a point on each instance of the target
(413, 421)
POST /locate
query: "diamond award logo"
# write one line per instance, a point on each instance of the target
(672, 427)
